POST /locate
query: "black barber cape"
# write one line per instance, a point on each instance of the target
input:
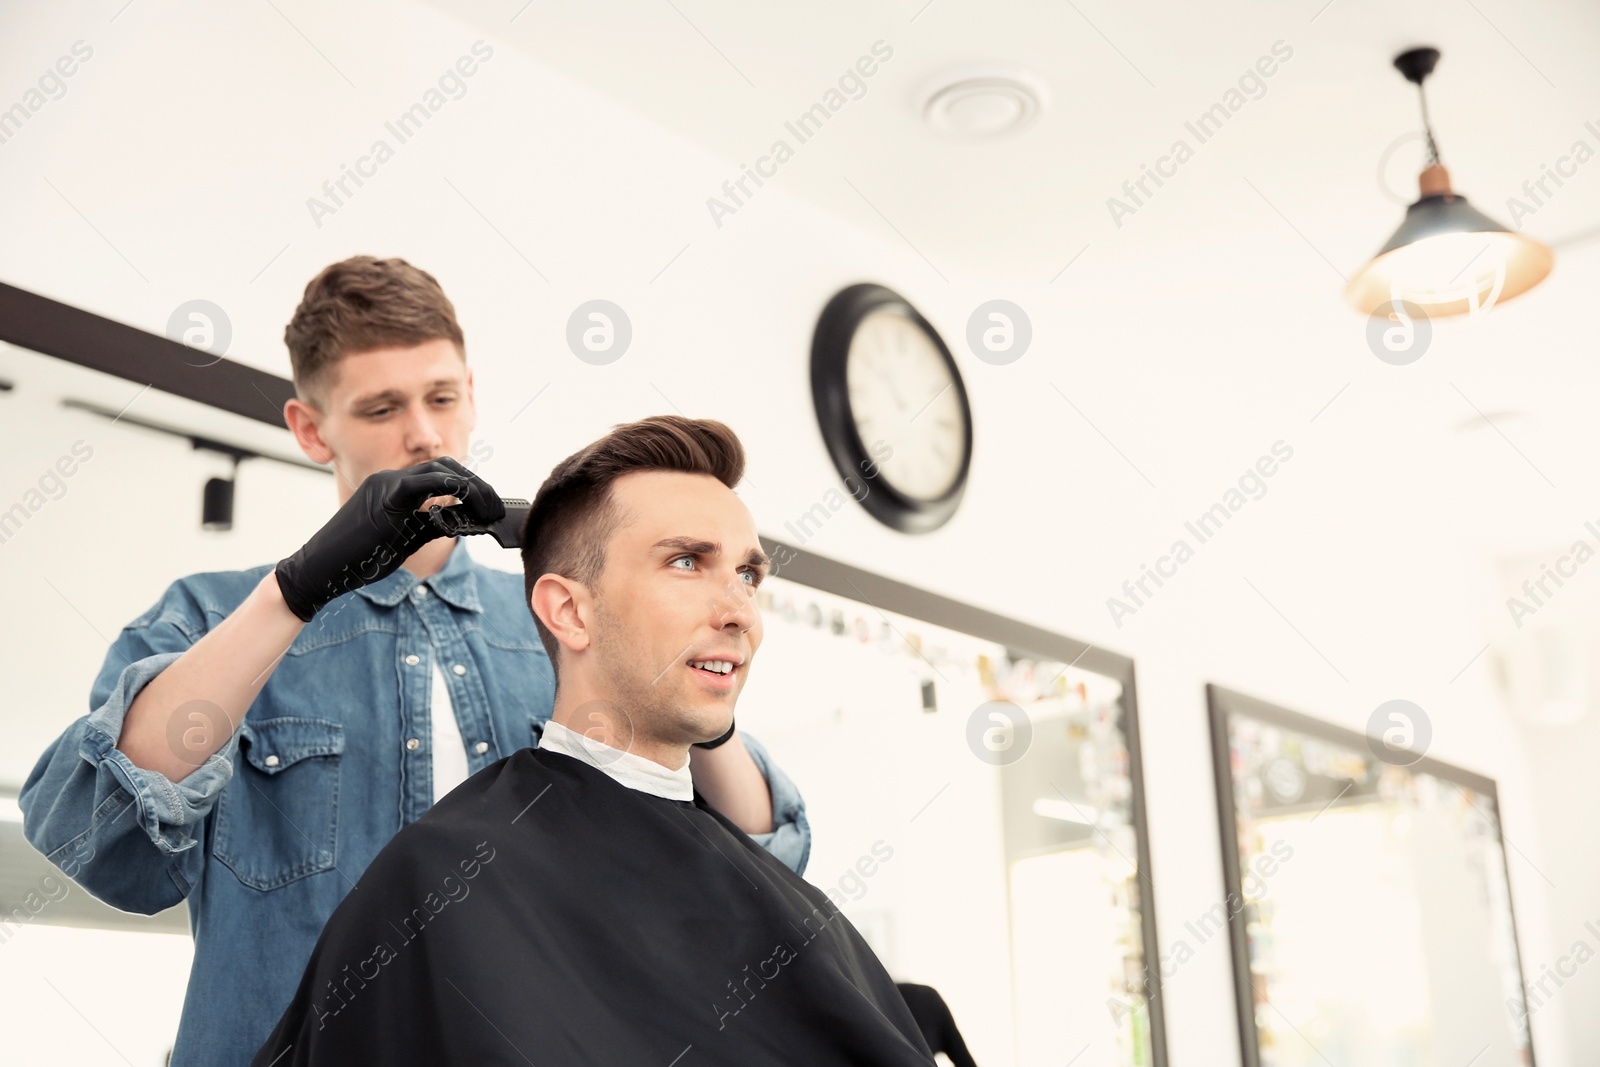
(543, 913)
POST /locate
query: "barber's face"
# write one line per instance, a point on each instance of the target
(392, 408)
(678, 588)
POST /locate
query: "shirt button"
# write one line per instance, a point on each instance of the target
(420, 592)
(459, 669)
(481, 747)
(271, 761)
(412, 661)
(412, 743)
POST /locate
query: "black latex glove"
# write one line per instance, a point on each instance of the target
(377, 530)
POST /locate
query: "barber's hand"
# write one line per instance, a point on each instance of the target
(377, 530)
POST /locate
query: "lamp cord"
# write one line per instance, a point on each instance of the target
(1427, 129)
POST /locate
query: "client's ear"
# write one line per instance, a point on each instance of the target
(563, 606)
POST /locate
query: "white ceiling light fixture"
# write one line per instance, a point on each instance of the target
(980, 105)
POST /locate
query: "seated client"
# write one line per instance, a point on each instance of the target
(579, 902)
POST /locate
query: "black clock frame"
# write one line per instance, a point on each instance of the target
(830, 351)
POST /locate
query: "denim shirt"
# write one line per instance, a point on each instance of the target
(332, 759)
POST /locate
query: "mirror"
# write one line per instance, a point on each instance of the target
(976, 807)
(1367, 898)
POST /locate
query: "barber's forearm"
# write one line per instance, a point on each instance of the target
(732, 783)
(174, 724)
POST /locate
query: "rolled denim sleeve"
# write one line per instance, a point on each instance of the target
(126, 834)
(790, 838)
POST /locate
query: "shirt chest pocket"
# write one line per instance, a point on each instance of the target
(277, 820)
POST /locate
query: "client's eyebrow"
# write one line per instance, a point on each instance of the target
(755, 557)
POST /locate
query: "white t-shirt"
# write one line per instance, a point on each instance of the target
(449, 750)
(632, 770)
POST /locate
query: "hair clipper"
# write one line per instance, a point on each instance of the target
(454, 522)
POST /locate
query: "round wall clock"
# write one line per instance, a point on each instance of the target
(892, 408)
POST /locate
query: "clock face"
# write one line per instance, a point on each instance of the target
(903, 393)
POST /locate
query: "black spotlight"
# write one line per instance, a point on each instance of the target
(216, 513)
(216, 507)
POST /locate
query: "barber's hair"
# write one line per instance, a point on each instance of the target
(358, 305)
(574, 514)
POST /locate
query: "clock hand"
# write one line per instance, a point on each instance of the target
(888, 381)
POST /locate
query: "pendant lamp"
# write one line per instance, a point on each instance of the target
(1447, 258)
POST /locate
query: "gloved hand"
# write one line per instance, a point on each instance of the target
(377, 530)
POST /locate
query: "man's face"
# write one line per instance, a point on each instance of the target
(678, 589)
(392, 408)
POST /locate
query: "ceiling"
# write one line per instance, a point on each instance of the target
(1329, 139)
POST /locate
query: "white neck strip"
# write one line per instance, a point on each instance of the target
(631, 770)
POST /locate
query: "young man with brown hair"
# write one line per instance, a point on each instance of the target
(257, 736)
(581, 902)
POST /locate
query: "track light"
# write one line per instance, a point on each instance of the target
(216, 502)
(216, 507)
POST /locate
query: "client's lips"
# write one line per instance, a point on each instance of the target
(711, 677)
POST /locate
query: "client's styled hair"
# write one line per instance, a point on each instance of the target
(573, 514)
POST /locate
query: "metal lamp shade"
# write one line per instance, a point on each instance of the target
(1448, 258)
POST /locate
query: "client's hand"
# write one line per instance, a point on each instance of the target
(377, 529)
